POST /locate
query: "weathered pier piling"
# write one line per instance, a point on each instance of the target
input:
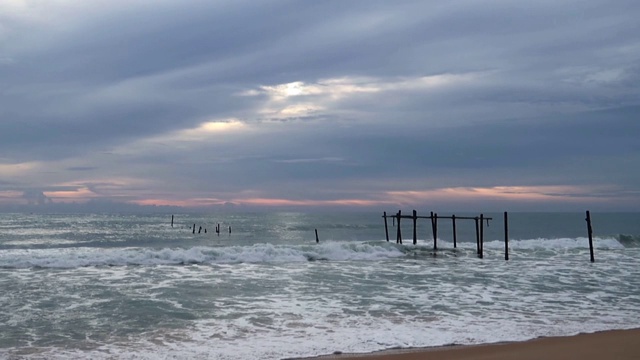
(590, 233)
(434, 229)
(479, 222)
(453, 221)
(433, 217)
(506, 236)
(399, 234)
(481, 254)
(386, 228)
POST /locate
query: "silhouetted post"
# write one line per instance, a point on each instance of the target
(399, 239)
(194, 229)
(218, 229)
(415, 234)
(590, 232)
(229, 229)
(200, 229)
(506, 237)
(435, 230)
(481, 235)
(477, 236)
(317, 240)
(171, 220)
(205, 230)
(453, 220)
(386, 228)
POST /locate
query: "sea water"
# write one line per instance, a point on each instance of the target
(132, 286)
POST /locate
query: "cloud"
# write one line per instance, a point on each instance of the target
(318, 103)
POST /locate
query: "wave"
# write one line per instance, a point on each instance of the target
(258, 253)
(72, 257)
(632, 241)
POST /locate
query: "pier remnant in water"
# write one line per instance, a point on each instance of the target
(194, 229)
(415, 234)
(453, 221)
(399, 235)
(386, 227)
(481, 236)
(506, 237)
(590, 232)
(318, 240)
(434, 229)
(171, 220)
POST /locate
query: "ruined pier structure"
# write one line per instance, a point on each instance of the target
(479, 222)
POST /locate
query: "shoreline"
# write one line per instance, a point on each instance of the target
(607, 344)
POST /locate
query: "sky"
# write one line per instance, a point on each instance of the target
(380, 105)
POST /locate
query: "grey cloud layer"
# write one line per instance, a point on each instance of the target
(555, 100)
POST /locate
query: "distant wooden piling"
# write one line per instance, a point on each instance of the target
(229, 229)
(506, 236)
(317, 240)
(218, 229)
(481, 254)
(399, 238)
(194, 229)
(171, 220)
(199, 229)
(386, 228)
(434, 229)
(415, 221)
(453, 221)
(590, 232)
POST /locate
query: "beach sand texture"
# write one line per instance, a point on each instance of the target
(606, 345)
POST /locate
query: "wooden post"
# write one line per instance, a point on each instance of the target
(218, 229)
(481, 235)
(477, 236)
(435, 231)
(229, 229)
(386, 227)
(317, 240)
(200, 229)
(590, 232)
(415, 234)
(194, 229)
(399, 239)
(506, 237)
(453, 220)
(171, 220)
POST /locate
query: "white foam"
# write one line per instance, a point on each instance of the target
(258, 253)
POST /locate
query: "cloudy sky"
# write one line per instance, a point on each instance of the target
(462, 104)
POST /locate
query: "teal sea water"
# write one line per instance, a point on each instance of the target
(133, 287)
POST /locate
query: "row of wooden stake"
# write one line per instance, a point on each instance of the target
(193, 231)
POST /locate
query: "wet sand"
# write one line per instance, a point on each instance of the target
(606, 345)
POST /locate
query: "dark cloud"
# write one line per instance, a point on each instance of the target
(399, 95)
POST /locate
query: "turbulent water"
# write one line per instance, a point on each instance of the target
(133, 286)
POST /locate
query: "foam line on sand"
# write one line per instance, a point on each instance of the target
(605, 345)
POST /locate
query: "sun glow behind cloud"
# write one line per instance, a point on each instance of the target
(298, 98)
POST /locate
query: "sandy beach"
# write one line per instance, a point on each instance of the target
(609, 345)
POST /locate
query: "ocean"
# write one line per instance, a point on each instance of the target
(106, 286)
